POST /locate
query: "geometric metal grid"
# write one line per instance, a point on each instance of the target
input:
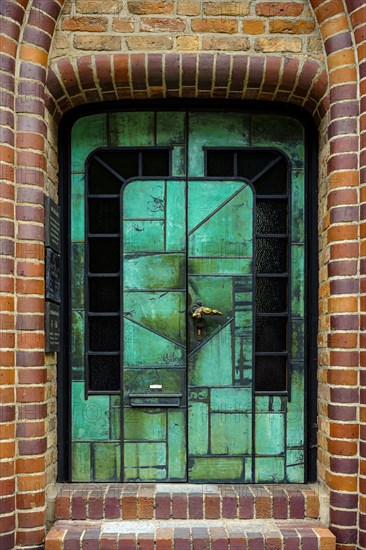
(272, 290)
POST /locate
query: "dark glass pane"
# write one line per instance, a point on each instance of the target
(104, 373)
(274, 181)
(270, 374)
(101, 180)
(104, 333)
(103, 255)
(155, 162)
(104, 294)
(271, 216)
(271, 294)
(104, 216)
(250, 163)
(271, 334)
(124, 162)
(220, 163)
(271, 256)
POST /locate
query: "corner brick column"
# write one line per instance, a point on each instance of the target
(35, 391)
(11, 18)
(338, 394)
(357, 13)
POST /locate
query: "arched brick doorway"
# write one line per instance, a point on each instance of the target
(338, 362)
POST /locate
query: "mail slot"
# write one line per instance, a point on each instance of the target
(155, 400)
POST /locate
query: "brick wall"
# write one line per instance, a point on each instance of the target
(186, 25)
(28, 379)
(262, 50)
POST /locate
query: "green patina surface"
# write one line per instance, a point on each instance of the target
(183, 242)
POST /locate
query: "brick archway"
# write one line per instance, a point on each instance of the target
(143, 76)
(28, 406)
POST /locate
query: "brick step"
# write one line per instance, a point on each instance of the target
(190, 535)
(186, 501)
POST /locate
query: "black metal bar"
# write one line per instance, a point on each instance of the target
(103, 314)
(274, 275)
(267, 168)
(271, 353)
(270, 197)
(275, 393)
(263, 314)
(272, 235)
(93, 197)
(109, 169)
(155, 395)
(103, 353)
(103, 235)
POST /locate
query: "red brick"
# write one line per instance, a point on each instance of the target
(280, 504)
(179, 506)
(164, 539)
(214, 25)
(263, 507)
(30, 500)
(32, 446)
(162, 503)
(246, 506)
(126, 542)
(219, 539)
(30, 395)
(212, 506)
(31, 519)
(78, 505)
(95, 505)
(270, 9)
(124, 24)
(129, 506)
(26, 466)
(146, 7)
(112, 505)
(229, 505)
(146, 541)
(195, 506)
(63, 506)
(89, 24)
(162, 24)
(30, 429)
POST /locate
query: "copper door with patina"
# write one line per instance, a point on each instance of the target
(170, 212)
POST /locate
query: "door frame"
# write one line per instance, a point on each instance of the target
(311, 247)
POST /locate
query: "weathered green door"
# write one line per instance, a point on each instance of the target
(188, 337)
(210, 223)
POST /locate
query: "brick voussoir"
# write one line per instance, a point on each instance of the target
(196, 69)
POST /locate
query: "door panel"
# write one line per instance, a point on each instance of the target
(220, 363)
(154, 330)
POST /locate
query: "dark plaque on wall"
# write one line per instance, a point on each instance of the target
(53, 282)
(52, 224)
(52, 327)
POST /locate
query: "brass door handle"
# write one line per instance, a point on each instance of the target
(199, 310)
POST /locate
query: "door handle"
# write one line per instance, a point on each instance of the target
(198, 311)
